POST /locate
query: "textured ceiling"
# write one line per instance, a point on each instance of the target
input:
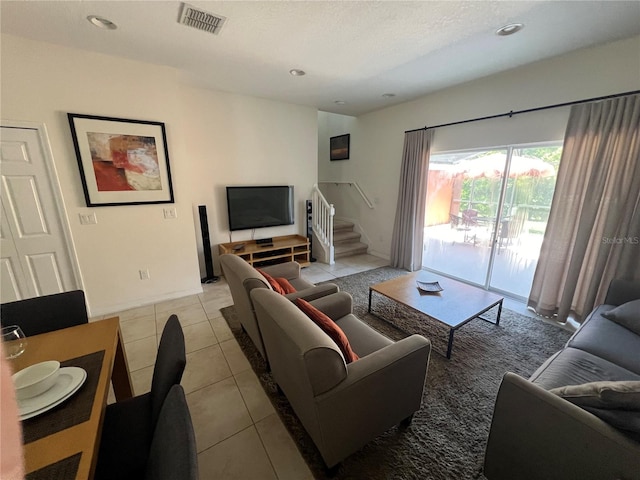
(351, 51)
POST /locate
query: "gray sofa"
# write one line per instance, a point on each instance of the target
(537, 434)
(342, 406)
(242, 278)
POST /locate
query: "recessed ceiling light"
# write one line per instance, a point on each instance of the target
(509, 29)
(388, 95)
(297, 73)
(101, 22)
(340, 102)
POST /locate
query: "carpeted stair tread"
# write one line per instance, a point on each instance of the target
(343, 237)
(346, 242)
(340, 225)
(349, 249)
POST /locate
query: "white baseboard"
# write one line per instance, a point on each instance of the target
(120, 307)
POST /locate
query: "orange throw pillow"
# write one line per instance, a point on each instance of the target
(285, 284)
(272, 281)
(329, 327)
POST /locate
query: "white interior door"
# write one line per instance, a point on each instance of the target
(12, 278)
(36, 259)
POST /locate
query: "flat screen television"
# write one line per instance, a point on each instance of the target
(259, 206)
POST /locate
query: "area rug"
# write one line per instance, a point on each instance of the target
(448, 435)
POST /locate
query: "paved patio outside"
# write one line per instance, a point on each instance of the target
(465, 254)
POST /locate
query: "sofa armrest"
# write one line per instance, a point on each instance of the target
(336, 305)
(380, 391)
(387, 364)
(622, 291)
(536, 434)
(313, 293)
(288, 270)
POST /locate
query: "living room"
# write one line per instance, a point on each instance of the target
(216, 138)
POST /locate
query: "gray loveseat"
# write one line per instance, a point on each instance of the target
(342, 406)
(536, 434)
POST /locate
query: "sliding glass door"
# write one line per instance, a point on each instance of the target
(486, 213)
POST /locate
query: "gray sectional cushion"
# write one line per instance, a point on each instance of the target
(572, 366)
(608, 340)
(627, 315)
(628, 422)
(617, 403)
(622, 291)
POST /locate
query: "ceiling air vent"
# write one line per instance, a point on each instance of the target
(193, 17)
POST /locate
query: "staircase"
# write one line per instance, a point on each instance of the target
(346, 242)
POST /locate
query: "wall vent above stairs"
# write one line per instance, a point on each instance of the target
(196, 18)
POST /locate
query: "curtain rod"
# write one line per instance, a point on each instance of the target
(529, 110)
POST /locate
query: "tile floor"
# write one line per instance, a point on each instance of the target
(238, 433)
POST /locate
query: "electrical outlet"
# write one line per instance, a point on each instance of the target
(170, 213)
(144, 274)
(88, 218)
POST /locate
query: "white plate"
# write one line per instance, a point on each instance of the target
(68, 383)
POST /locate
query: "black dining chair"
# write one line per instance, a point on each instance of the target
(173, 454)
(128, 428)
(46, 313)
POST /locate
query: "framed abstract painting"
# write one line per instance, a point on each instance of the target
(339, 147)
(122, 161)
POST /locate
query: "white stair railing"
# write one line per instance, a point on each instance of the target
(322, 215)
(354, 185)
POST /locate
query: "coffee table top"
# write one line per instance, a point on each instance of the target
(457, 304)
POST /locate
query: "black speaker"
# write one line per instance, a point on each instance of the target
(310, 228)
(206, 246)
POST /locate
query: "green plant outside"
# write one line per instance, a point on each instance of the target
(533, 193)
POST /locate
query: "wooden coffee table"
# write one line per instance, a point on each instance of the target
(456, 305)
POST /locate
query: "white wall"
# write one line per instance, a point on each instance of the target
(214, 139)
(376, 154)
(348, 203)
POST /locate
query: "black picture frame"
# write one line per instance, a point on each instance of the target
(339, 147)
(121, 161)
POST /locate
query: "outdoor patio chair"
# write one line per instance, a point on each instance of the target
(511, 229)
(470, 220)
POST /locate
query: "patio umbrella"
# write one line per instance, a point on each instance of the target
(492, 166)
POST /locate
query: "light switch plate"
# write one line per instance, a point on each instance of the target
(88, 218)
(170, 213)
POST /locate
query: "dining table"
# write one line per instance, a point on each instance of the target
(63, 442)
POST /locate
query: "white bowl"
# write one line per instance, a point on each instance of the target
(36, 379)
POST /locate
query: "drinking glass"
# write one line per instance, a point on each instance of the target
(14, 341)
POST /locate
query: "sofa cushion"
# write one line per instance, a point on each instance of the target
(572, 366)
(624, 395)
(275, 286)
(285, 285)
(608, 340)
(301, 284)
(617, 403)
(627, 315)
(329, 327)
(364, 339)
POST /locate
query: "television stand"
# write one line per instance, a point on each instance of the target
(288, 248)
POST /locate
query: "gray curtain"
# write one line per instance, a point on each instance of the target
(593, 233)
(408, 229)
